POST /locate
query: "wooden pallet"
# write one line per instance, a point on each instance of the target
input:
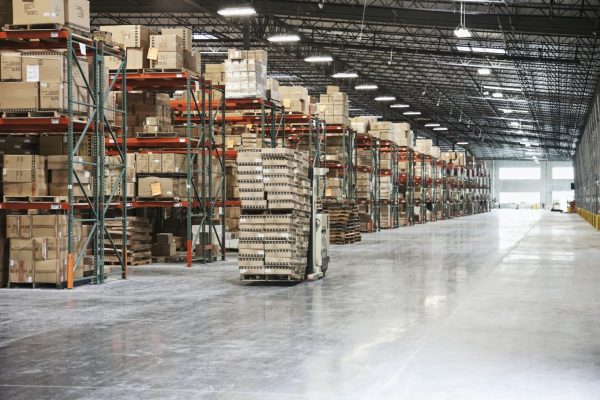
(31, 113)
(35, 199)
(83, 31)
(142, 135)
(170, 71)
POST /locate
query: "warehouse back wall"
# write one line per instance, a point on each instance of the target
(527, 183)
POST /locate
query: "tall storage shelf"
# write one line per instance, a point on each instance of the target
(406, 179)
(203, 120)
(388, 185)
(91, 208)
(367, 166)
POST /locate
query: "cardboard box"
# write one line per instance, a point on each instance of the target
(19, 95)
(20, 271)
(18, 226)
(53, 271)
(184, 33)
(10, 65)
(164, 249)
(154, 163)
(168, 43)
(136, 58)
(22, 249)
(53, 145)
(165, 238)
(52, 96)
(25, 189)
(24, 162)
(64, 12)
(23, 175)
(129, 35)
(153, 186)
(168, 60)
(50, 226)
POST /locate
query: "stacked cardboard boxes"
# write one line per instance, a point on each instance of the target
(333, 107)
(273, 91)
(246, 73)
(215, 73)
(404, 135)
(453, 157)
(191, 57)
(139, 241)
(146, 112)
(20, 144)
(71, 13)
(273, 241)
(24, 175)
(135, 39)
(57, 166)
(38, 81)
(38, 248)
(112, 175)
(424, 146)
(165, 245)
(295, 99)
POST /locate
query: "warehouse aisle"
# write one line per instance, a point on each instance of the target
(503, 305)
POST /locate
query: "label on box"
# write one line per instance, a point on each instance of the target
(33, 73)
(82, 48)
(152, 53)
(155, 189)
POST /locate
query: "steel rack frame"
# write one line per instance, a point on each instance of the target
(208, 113)
(98, 206)
(367, 142)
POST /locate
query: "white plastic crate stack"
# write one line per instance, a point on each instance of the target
(246, 74)
(274, 228)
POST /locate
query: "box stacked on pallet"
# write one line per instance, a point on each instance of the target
(385, 188)
(36, 81)
(165, 245)
(246, 73)
(112, 176)
(404, 135)
(24, 176)
(135, 39)
(191, 57)
(58, 169)
(215, 73)
(344, 223)
(295, 99)
(147, 113)
(333, 107)
(385, 216)
(69, 13)
(38, 248)
(139, 241)
(273, 235)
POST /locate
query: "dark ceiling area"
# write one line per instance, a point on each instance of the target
(542, 58)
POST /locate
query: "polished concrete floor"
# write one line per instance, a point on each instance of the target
(498, 306)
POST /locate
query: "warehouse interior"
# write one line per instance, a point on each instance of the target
(307, 199)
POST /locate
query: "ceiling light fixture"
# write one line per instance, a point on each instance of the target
(462, 32)
(399, 106)
(236, 11)
(284, 38)
(345, 75)
(497, 95)
(484, 71)
(503, 88)
(510, 111)
(365, 87)
(385, 98)
(318, 59)
(431, 125)
(440, 129)
(412, 113)
(487, 50)
(462, 143)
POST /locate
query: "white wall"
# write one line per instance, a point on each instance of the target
(545, 185)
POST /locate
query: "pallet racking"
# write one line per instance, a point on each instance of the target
(208, 114)
(97, 207)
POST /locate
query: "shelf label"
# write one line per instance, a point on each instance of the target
(177, 205)
(55, 206)
(181, 140)
(54, 121)
(53, 34)
(32, 73)
(179, 75)
(128, 204)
